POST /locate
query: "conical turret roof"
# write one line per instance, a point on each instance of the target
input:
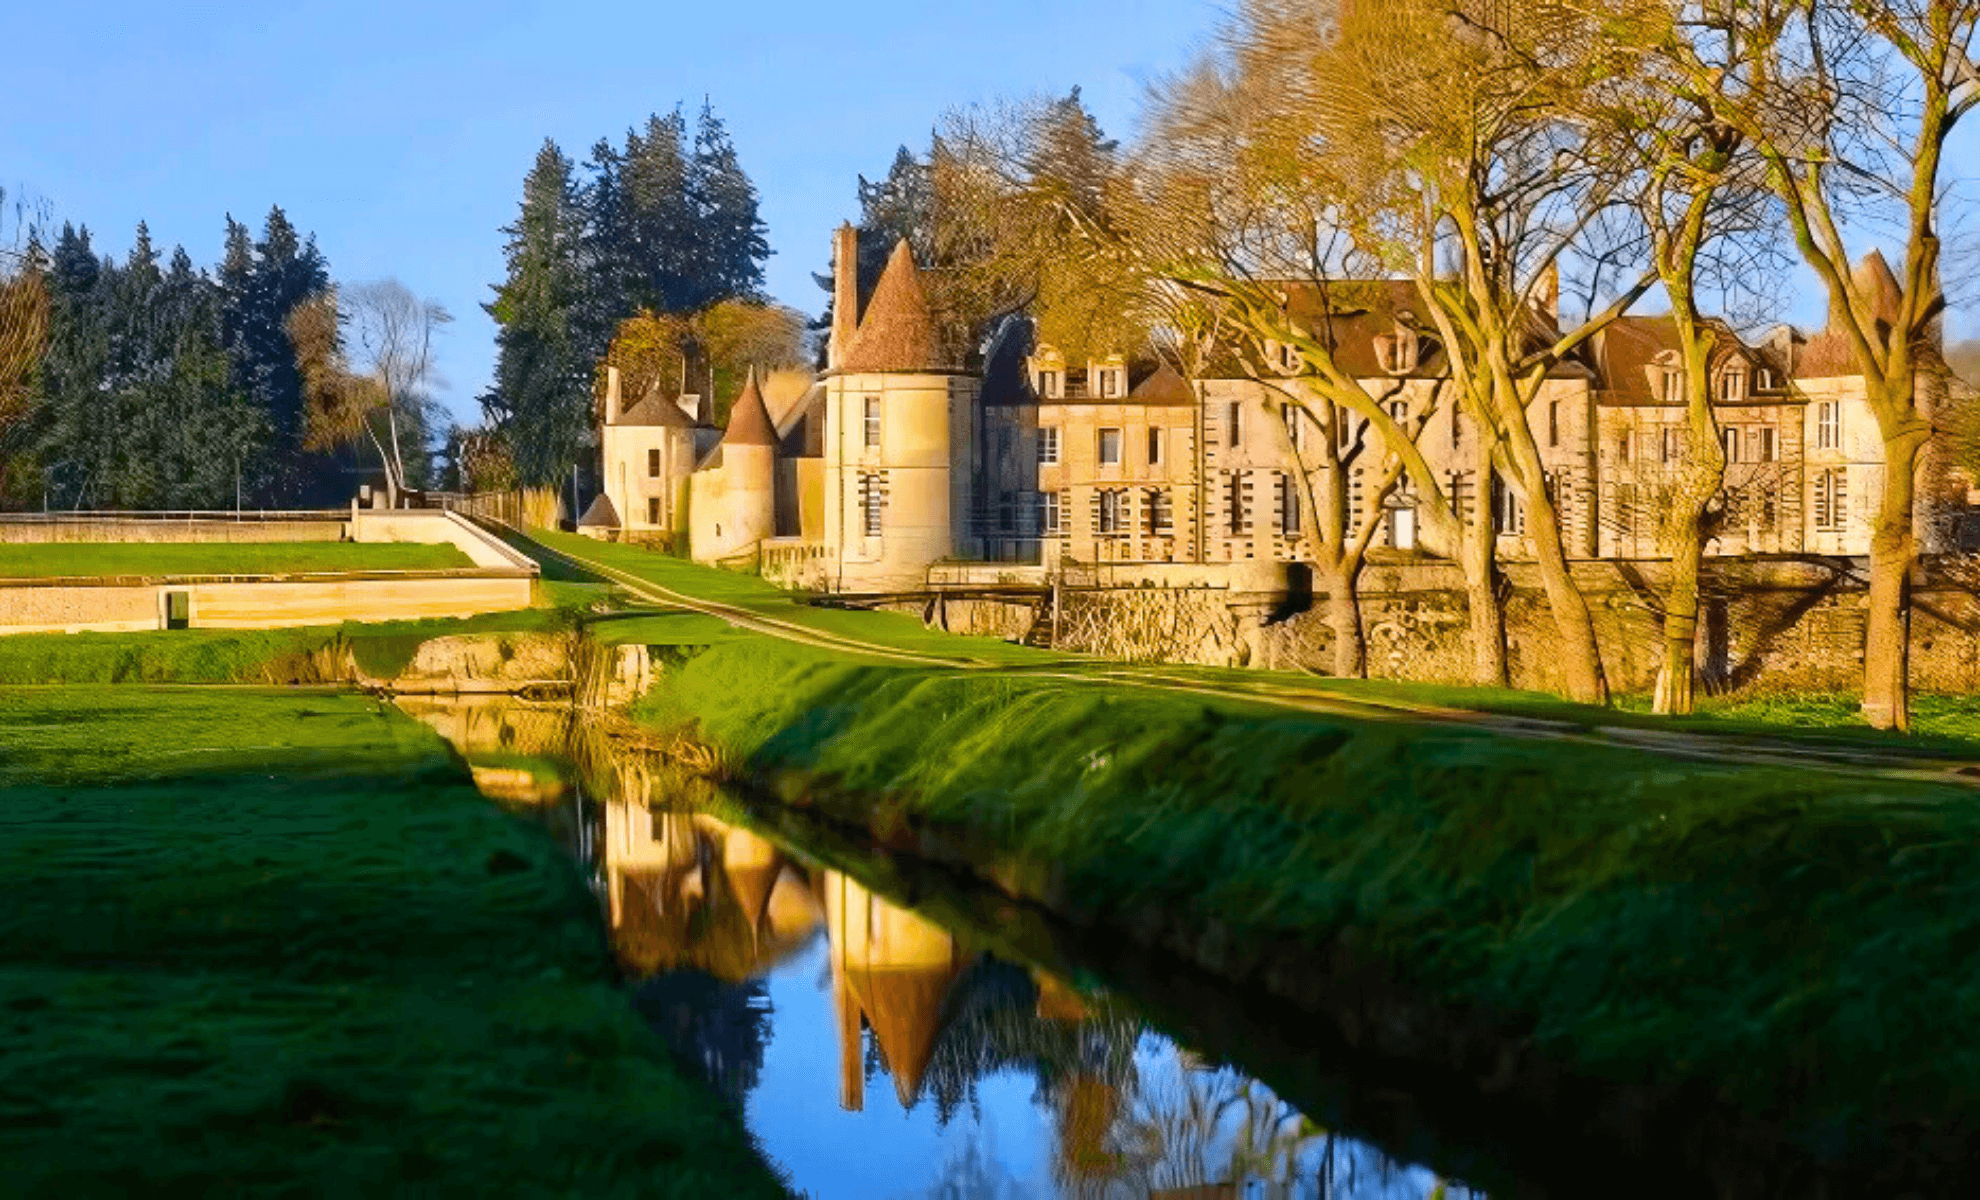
(898, 332)
(601, 515)
(749, 419)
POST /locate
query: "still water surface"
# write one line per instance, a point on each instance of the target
(876, 1051)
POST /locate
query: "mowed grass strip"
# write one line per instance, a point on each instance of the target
(41, 560)
(276, 943)
(1800, 943)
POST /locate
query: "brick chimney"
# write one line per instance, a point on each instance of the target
(611, 395)
(845, 293)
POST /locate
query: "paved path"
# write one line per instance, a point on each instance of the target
(1896, 763)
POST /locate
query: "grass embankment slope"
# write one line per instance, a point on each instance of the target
(152, 559)
(756, 597)
(1797, 944)
(254, 943)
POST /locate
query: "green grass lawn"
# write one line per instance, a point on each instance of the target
(898, 631)
(1800, 944)
(262, 943)
(48, 559)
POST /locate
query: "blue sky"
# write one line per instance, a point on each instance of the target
(400, 133)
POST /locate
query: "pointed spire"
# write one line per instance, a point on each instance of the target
(898, 332)
(749, 419)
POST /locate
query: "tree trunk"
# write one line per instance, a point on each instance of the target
(1893, 551)
(1677, 678)
(1578, 654)
(1488, 619)
(1344, 618)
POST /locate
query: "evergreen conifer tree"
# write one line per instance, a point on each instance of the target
(732, 244)
(542, 370)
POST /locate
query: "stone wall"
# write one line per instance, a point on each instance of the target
(1767, 624)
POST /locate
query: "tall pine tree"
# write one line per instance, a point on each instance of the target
(732, 243)
(543, 368)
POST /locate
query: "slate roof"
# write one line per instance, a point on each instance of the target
(655, 409)
(601, 515)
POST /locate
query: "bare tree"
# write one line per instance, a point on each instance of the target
(1851, 104)
(23, 318)
(381, 394)
(1703, 202)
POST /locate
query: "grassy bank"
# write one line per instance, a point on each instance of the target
(1792, 946)
(42, 559)
(267, 943)
(259, 656)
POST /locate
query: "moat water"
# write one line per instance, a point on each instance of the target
(881, 1041)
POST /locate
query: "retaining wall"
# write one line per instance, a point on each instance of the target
(1767, 624)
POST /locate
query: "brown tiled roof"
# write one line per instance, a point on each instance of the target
(655, 409)
(601, 515)
(1164, 386)
(898, 332)
(749, 420)
(1632, 344)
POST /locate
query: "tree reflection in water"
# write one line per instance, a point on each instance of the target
(702, 910)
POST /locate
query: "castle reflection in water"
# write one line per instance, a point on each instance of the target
(702, 910)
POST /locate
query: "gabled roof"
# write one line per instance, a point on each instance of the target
(601, 515)
(749, 420)
(898, 332)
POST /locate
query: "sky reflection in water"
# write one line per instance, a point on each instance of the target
(876, 1055)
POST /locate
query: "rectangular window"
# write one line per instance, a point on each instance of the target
(1508, 515)
(1051, 385)
(1673, 444)
(1729, 438)
(1007, 517)
(1828, 425)
(1553, 422)
(1831, 497)
(1110, 447)
(1673, 387)
(653, 464)
(1289, 505)
(1294, 426)
(1454, 427)
(1154, 446)
(1732, 385)
(1048, 512)
(1112, 514)
(653, 510)
(1770, 449)
(873, 422)
(1240, 516)
(1233, 424)
(1161, 513)
(178, 610)
(1110, 384)
(870, 502)
(1399, 411)
(1622, 448)
(1048, 445)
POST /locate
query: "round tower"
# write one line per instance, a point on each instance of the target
(749, 467)
(898, 417)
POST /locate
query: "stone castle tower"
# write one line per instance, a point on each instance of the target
(733, 506)
(898, 414)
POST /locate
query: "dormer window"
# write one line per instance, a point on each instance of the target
(1289, 360)
(1732, 386)
(1397, 352)
(1110, 382)
(1763, 380)
(1051, 384)
(1673, 387)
